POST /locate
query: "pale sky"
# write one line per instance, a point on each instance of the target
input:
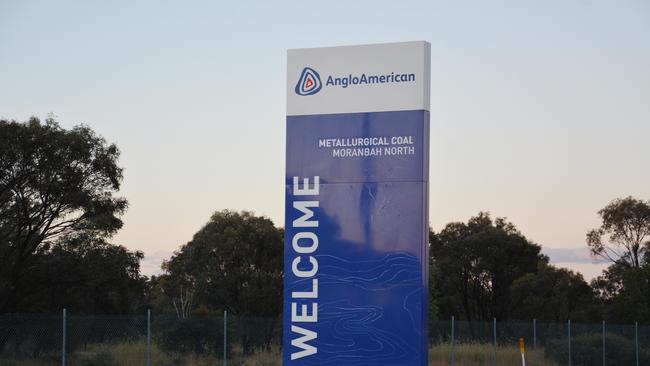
(540, 110)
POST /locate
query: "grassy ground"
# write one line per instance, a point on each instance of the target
(134, 354)
(474, 354)
(11, 361)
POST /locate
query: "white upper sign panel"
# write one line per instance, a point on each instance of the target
(351, 79)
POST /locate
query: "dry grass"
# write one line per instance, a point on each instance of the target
(7, 361)
(127, 354)
(475, 354)
(270, 357)
(134, 354)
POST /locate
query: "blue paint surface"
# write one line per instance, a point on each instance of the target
(304, 158)
(372, 242)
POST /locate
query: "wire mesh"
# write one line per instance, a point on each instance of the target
(25, 337)
(94, 339)
(644, 345)
(109, 340)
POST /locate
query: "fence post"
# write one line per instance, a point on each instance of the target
(569, 332)
(225, 337)
(453, 351)
(148, 337)
(636, 341)
(603, 343)
(494, 342)
(65, 315)
(535, 334)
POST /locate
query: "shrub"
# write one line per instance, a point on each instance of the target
(201, 336)
(30, 336)
(256, 333)
(587, 350)
(85, 330)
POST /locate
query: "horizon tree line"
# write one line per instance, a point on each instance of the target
(59, 207)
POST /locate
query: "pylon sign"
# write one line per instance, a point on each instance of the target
(356, 221)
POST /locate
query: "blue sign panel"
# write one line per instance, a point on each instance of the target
(356, 230)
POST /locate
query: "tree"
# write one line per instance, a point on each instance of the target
(53, 183)
(623, 232)
(633, 300)
(623, 239)
(477, 262)
(552, 295)
(88, 275)
(433, 294)
(624, 293)
(84, 275)
(234, 263)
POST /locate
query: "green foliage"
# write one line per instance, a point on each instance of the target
(234, 262)
(625, 293)
(200, 336)
(477, 262)
(553, 295)
(587, 350)
(622, 235)
(433, 295)
(54, 183)
(70, 271)
(67, 276)
(624, 288)
(256, 333)
(633, 301)
(433, 282)
(433, 309)
(85, 330)
(30, 336)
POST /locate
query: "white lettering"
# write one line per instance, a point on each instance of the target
(307, 349)
(303, 265)
(313, 294)
(303, 221)
(305, 190)
(300, 273)
(305, 235)
(304, 316)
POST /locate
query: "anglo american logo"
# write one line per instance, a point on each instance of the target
(309, 82)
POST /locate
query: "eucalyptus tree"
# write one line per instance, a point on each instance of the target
(55, 184)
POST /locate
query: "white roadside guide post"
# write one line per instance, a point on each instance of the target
(523, 352)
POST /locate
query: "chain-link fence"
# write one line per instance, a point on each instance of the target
(538, 344)
(165, 340)
(148, 339)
